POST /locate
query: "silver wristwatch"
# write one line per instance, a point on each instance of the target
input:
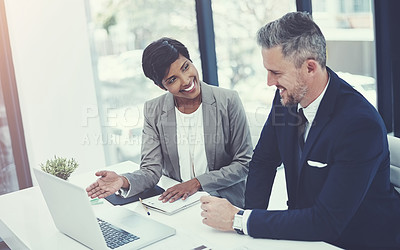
(238, 222)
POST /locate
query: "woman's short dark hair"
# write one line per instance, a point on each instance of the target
(158, 57)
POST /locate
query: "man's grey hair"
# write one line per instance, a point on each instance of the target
(298, 35)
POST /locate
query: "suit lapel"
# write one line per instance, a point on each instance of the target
(323, 115)
(291, 139)
(209, 123)
(168, 124)
(315, 130)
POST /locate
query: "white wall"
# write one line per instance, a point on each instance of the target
(51, 54)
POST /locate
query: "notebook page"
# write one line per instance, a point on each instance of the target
(171, 208)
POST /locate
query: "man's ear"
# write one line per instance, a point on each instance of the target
(311, 66)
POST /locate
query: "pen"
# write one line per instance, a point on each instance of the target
(145, 208)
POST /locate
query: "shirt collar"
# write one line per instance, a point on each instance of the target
(311, 111)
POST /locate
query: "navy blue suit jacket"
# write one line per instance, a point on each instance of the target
(350, 202)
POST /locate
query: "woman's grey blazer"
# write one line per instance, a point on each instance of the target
(227, 142)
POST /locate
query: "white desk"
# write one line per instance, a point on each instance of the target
(26, 223)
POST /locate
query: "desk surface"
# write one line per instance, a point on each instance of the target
(26, 223)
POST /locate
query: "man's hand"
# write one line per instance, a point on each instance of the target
(107, 184)
(218, 213)
(183, 190)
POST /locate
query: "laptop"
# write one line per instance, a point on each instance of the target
(74, 216)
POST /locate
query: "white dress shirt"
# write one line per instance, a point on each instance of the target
(311, 110)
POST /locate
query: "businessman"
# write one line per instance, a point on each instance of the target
(333, 146)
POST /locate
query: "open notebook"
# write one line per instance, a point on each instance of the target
(176, 206)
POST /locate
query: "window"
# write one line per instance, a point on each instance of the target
(120, 30)
(348, 29)
(239, 58)
(14, 167)
(8, 174)
(319, 6)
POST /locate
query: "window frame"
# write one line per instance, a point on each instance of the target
(11, 102)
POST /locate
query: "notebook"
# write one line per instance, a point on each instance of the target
(74, 216)
(170, 208)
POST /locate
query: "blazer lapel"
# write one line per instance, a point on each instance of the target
(209, 123)
(168, 124)
(323, 116)
(291, 141)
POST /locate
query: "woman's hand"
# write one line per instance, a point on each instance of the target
(182, 190)
(109, 183)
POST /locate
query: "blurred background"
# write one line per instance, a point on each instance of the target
(120, 30)
(73, 86)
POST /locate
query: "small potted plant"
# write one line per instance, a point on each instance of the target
(60, 167)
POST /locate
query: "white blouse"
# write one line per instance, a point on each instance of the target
(190, 143)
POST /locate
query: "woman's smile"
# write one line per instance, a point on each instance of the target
(191, 87)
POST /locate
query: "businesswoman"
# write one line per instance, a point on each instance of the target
(196, 134)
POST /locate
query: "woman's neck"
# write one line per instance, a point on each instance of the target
(187, 106)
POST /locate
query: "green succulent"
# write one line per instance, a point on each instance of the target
(60, 167)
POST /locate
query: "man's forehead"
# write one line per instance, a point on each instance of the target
(272, 56)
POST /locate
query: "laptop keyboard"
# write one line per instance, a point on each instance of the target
(114, 236)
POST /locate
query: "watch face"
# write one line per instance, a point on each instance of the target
(237, 221)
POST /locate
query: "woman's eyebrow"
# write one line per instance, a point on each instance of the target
(166, 80)
(183, 64)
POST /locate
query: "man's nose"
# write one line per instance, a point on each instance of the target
(271, 80)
